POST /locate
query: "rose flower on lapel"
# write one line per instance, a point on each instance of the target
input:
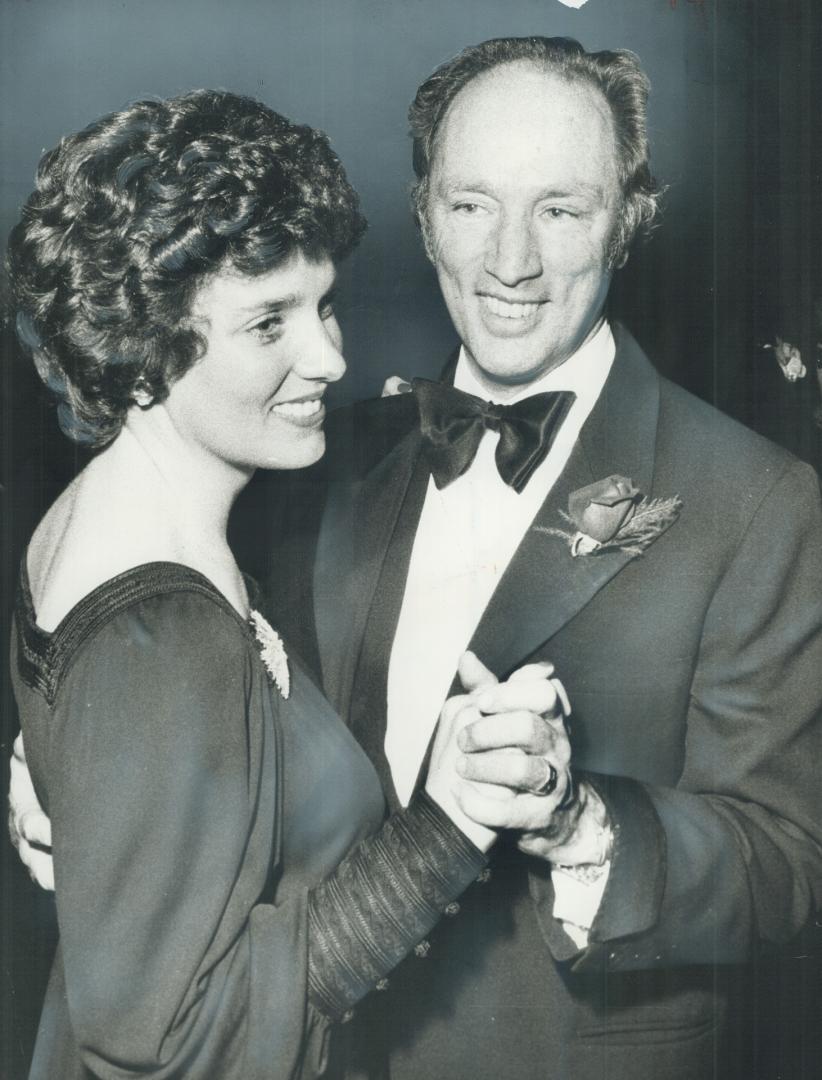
(613, 515)
(602, 508)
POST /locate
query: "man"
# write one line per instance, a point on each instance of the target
(679, 604)
(693, 669)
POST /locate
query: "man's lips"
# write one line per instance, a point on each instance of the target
(510, 309)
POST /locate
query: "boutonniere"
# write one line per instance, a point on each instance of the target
(789, 359)
(613, 515)
(272, 652)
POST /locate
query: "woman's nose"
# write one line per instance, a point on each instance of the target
(322, 354)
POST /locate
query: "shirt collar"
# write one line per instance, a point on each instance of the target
(584, 372)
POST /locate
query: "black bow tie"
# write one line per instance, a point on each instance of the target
(453, 423)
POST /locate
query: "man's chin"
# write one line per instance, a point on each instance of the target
(501, 370)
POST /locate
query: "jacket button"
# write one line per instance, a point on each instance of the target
(382, 984)
(423, 949)
(484, 875)
(452, 909)
(347, 1016)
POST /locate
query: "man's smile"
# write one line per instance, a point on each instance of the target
(510, 309)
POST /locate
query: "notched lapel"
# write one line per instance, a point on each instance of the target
(358, 523)
(544, 587)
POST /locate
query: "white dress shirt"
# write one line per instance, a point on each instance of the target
(466, 537)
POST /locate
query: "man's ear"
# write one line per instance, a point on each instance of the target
(419, 200)
(427, 240)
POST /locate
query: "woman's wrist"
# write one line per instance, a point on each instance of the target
(480, 836)
(398, 882)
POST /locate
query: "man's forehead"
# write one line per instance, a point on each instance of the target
(522, 87)
(519, 118)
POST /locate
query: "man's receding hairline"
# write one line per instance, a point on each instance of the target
(543, 66)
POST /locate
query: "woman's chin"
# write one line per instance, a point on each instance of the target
(298, 455)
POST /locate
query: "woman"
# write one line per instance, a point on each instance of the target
(225, 889)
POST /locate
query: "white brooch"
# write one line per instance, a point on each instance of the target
(272, 652)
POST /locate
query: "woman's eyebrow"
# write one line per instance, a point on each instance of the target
(271, 304)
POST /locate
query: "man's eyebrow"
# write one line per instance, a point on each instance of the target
(577, 190)
(481, 188)
(477, 186)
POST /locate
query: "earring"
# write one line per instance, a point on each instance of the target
(142, 394)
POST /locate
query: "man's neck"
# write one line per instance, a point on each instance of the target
(597, 350)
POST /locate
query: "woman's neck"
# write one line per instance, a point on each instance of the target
(147, 497)
(198, 488)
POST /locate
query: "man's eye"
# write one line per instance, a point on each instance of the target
(327, 310)
(557, 212)
(467, 208)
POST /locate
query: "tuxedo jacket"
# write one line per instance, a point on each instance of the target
(695, 676)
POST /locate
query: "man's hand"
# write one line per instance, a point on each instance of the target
(29, 827)
(519, 701)
(508, 755)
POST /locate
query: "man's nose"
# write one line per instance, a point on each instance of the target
(512, 254)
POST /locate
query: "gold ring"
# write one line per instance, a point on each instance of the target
(548, 785)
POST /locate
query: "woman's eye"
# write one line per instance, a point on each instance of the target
(327, 310)
(267, 328)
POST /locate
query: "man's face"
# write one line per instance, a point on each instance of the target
(522, 203)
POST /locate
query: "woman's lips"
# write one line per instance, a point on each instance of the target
(305, 413)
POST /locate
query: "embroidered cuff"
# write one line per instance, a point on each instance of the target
(382, 899)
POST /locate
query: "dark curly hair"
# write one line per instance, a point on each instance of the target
(617, 75)
(132, 213)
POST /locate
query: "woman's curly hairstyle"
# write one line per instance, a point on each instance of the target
(616, 74)
(129, 216)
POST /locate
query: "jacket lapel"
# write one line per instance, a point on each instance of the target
(358, 524)
(544, 587)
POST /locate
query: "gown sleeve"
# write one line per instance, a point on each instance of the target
(162, 793)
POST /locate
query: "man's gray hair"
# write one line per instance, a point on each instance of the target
(616, 74)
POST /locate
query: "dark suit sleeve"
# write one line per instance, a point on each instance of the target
(733, 854)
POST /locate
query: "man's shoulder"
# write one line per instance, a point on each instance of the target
(721, 461)
(722, 470)
(709, 432)
(690, 426)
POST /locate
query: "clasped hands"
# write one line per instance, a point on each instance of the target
(496, 747)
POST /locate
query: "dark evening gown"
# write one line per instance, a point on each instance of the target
(227, 885)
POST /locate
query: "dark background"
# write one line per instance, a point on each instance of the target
(736, 131)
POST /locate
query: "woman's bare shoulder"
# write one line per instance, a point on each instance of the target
(88, 536)
(99, 529)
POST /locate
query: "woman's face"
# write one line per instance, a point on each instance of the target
(254, 400)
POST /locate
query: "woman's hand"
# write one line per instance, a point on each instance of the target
(531, 707)
(517, 757)
(29, 827)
